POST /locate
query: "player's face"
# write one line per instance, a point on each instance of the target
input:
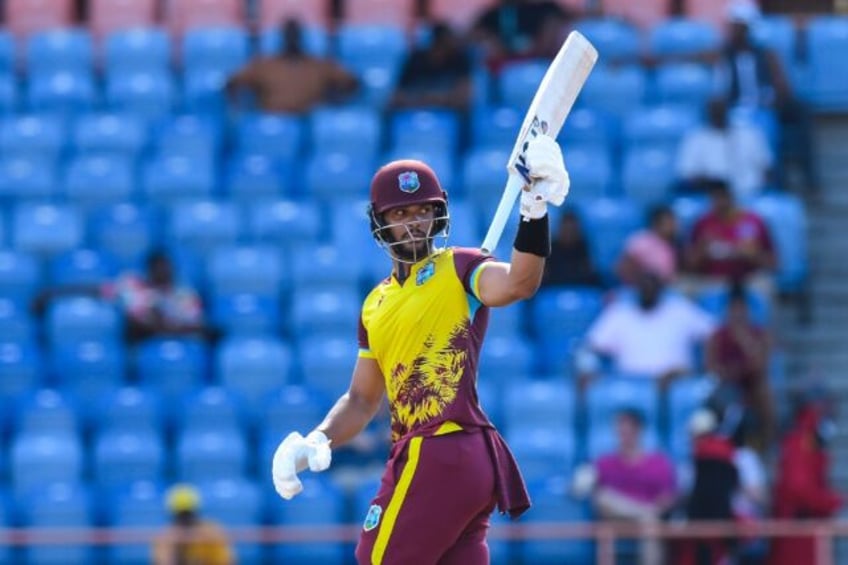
(411, 229)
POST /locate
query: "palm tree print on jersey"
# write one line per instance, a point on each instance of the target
(422, 390)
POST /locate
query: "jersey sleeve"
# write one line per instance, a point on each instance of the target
(469, 264)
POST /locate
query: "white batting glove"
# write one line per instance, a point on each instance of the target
(550, 178)
(295, 454)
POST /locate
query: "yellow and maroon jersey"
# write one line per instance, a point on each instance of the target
(426, 336)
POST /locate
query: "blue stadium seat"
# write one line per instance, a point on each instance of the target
(552, 503)
(274, 135)
(82, 266)
(204, 92)
(174, 367)
(190, 135)
(205, 225)
(615, 39)
(46, 411)
(124, 456)
(519, 81)
(590, 167)
(8, 95)
(32, 134)
(688, 209)
(350, 129)
(506, 359)
(110, 133)
(131, 408)
(484, 174)
(149, 94)
(283, 223)
(660, 125)
(542, 452)
(124, 231)
(608, 222)
(351, 231)
(62, 93)
(46, 229)
(425, 126)
(219, 48)
(464, 224)
(316, 41)
(684, 397)
(827, 40)
(291, 407)
(319, 504)
(255, 270)
(59, 50)
(560, 318)
(688, 84)
(20, 369)
(589, 126)
(361, 46)
(140, 505)
(253, 367)
(89, 370)
(8, 62)
(167, 179)
(617, 90)
(324, 266)
(377, 83)
(27, 178)
(246, 314)
(777, 33)
(327, 362)
(235, 502)
(77, 319)
(254, 179)
(325, 311)
(38, 459)
(209, 408)
(61, 505)
(339, 175)
(91, 181)
(16, 322)
(609, 394)
(211, 454)
(682, 37)
(137, 49)
(649, 173)
(495, 127)
(506, 321)
(787, 222)
(530, 405)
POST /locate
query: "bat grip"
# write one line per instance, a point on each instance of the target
(510, 193)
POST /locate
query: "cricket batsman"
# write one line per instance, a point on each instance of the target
(420, 334)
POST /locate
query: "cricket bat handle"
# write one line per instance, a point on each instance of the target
(496, 228)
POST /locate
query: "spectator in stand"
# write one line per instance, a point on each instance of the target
(570, 263)
(754, 77)
(438, 75)
(658, 245)
(653, 334)
(802, 489)
(735, 152)
(513, 30)
(634, 484)
(738, 354)
(189, 539)
(729, 244)
(292, 81)
(154, 305)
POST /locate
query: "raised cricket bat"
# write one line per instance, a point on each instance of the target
(551, 104)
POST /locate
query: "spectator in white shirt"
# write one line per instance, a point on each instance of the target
(734, 152)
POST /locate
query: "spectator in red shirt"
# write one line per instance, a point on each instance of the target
(730, 244)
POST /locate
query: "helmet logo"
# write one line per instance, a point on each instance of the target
(408, 182)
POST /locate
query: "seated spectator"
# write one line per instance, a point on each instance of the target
(658, 245)
(735, 152)
(292, 81)
(653, 334)
(570, 263)
(633, 484)
(738, 354)
(730, 244)
(520, 29)
(189, 538)
(154, 305)
(438, 75)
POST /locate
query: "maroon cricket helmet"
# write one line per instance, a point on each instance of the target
(403, 183)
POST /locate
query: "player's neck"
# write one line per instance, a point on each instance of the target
(401, 270)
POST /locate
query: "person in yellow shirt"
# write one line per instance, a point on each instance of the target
(189, 539)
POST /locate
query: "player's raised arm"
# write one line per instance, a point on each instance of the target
(501, 284)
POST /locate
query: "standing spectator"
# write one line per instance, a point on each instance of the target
(438, 75)
(189, 539)
(658, 245)
(292, 81)
(738, 354)
(735, 152)
(754, 77)
(634, 484)
(802, 490)
(571, 262)
(730, 244)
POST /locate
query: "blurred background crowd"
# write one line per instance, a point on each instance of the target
(184, 250)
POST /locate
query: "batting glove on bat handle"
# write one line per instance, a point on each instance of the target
(550, 177)
(295, 454)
